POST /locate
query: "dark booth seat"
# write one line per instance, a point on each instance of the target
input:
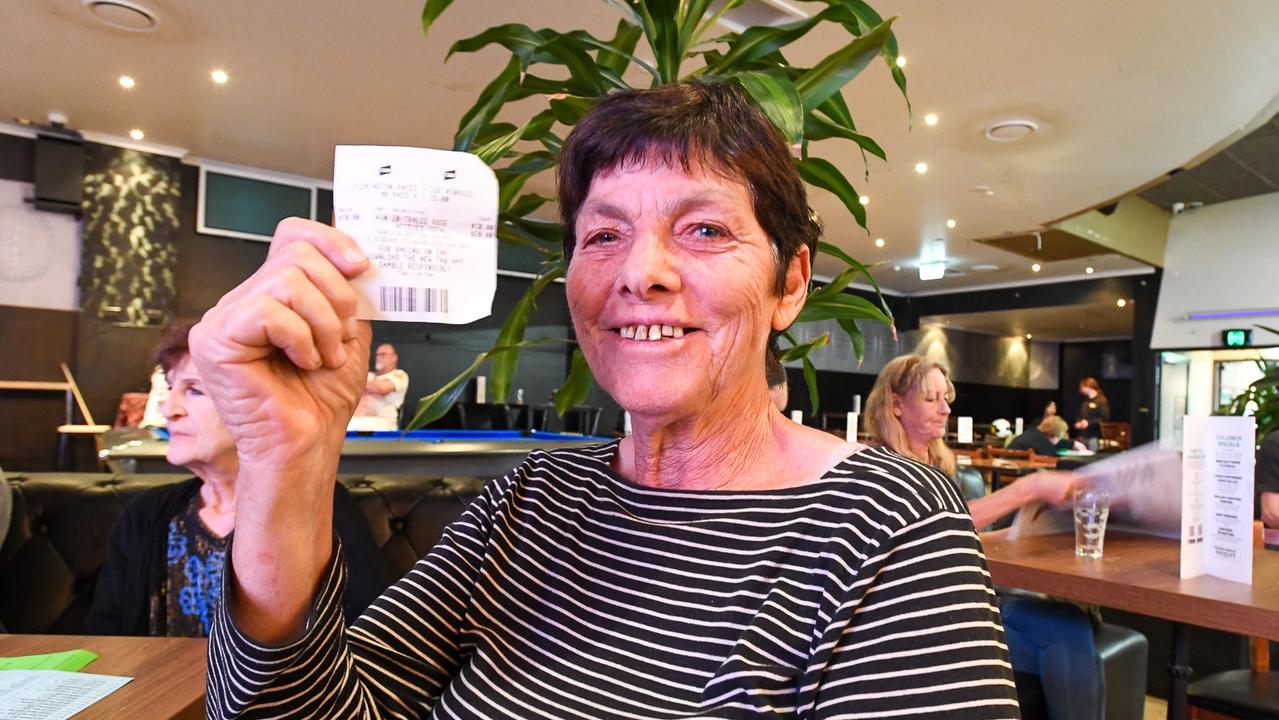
(58, 534)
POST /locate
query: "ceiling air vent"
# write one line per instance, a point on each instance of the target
(122, 15)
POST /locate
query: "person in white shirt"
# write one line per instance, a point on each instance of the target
(153, 415)
(379, 407)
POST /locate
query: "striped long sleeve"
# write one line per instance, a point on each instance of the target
(565, 591)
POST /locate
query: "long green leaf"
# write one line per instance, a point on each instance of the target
(777, 97)
(660, 29)
(855, 336)
(528, 204)
(433, 407)
(512, 333)
(430, 11)
(825, 175)
(760, 41)
(569, 109)
(491, 100)
(521, 40)
(842, 305)
(617, 54)
(871, 19)
(817, 127)
(836, 252)
(535, 128)
(801, 350)
(576, 386)
(810, 379)
(837, 69)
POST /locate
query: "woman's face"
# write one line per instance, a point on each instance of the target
(1050, 409)
(197, 435)
(671, 289)
(1087, 392)
(923, 411)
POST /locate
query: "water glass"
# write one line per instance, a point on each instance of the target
(1092, 508)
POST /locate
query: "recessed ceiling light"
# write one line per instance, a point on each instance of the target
(1010, 130)
(1088, 270)
(137, 134)
(127, 82)
(879, 242)
(950, 223)
(901, 61)
(930, 119)
(984, 267)
(219, 76)
(1121, 302)
(983, 189)
(864, 199)
(1036, 267)
(1029, 336)
(921, 167)
(897, 268)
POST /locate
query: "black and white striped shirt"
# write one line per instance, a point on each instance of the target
(566, 592)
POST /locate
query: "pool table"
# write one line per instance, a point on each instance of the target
(482, 453)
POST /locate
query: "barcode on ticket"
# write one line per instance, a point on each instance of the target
(413, 299)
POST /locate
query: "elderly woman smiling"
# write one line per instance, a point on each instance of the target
(721, 562)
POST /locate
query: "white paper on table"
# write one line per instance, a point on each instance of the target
(1019, 426)
(1217, 495)
(52, 694)
(427, 220)
(964, 428)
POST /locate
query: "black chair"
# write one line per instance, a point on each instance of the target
(1123, 653)
(1251, 694)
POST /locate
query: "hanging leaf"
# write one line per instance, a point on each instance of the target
(535, 128)
(576, 386)
(777, 97)
(521, 40)
(569, 109)
(430, 11)
(810, 379)
(433, 407)
(855, 336)
(512, 334)
(825, 175)
(836, 252)
(801, 350)
(842, 306)
(819, 128)
(491, 100)
(620, 51)
(837, 69)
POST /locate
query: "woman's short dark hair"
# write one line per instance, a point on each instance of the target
(173, 345)
(710, 123)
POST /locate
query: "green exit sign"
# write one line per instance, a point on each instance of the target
(1236, 338)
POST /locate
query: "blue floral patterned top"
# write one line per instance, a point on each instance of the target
(193, 587)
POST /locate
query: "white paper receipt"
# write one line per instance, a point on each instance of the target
(427, 220)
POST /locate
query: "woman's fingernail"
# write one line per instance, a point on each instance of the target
(351, 328)
(353, 256)
(341, 356)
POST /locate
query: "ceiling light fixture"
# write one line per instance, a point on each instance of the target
(864, 199)
(879, 242)
(1011, 130)
(127, 82)
(950, 223)
(1121, 302)
(901, 61)
(1036, 267)
(219, 76)
(921, 167)
(137, 134)
(932, 270)
(1029, 336)
(897, 268)
(1088, 270)
(930, 119)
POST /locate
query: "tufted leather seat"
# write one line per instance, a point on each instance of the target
(58, 534)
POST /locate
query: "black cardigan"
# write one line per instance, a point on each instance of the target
(134, 569)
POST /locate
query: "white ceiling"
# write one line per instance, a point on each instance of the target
(1123, 92)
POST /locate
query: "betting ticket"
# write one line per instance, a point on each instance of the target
(427, 220)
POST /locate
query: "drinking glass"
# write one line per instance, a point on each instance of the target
(1091, 510)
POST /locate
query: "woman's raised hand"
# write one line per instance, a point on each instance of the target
(282, 354)
(284, 360)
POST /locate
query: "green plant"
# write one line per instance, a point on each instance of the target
(682, 39)
(1260, 399)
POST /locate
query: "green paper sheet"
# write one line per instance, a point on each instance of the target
(68, 660)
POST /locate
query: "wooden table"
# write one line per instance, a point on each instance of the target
(168, 673)
(1141, 574)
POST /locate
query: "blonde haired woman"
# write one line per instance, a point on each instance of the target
(907, 412)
